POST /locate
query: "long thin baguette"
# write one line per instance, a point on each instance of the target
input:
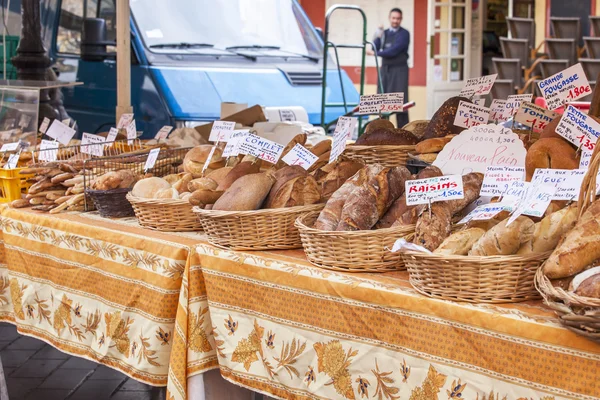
(59, 208)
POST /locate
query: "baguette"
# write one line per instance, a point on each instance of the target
(504, 240)
(20, 203)
(459, 243)
(61, 177)
(549, 230)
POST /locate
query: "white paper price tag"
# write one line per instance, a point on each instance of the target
(343, 131)
(535, 203)
(48, 150)
(299, 155)
(440, 188)
(9, 147)
(578, 128)
(497, 179)
(209, 158)
(92, 144)
(220, 131)
(478, 86)
(131, 132)
(517, 190)
(485, 212)
(498, 113)
(566, 181)
(586, 157)
(60, 132)
(44, 125)
(124, 121)
(112, 136)
(469, 114)
(163, 133)
(567, 85)
(514, 102)
(262, 148)
(479, 102)
(534, 116)
(232, 149)
(380, 103)
(151, 160)
(13, 160)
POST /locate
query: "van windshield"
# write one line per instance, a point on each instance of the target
(262, 25)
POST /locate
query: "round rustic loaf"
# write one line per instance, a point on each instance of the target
(552, 153)
(442, 122)
(384, 136)
(195, 158)
(148, 187)
(378, 124)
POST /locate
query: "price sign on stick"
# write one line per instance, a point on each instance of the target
(92, 144)
(568, 85)
(566, 181)
(514, 102)
(48, 150)
(478, 86)
(578, 128)
(220, 131)
(232, 148)
(112, 136)
(208, 159)
(151, 160)
(45, 124)
(498, 113)
(124, 121)
(533, 116)
(469, 114)
(262, 148)
(163, 133)
(484, 212)
(299, 155)
(380, 103)
(12, 161)
(131, 132)
(9, 147)
(429, 190)
(535, 203)
(343, 131)
(498, 178)
(60, 132)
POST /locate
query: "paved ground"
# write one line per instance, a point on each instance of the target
(37, 371)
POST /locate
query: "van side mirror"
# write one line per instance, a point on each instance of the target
(93, 40)
(320, 32)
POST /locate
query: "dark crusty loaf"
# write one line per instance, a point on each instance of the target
(442, 122)
(433, 227)
(384, 136)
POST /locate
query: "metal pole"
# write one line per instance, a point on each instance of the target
(123, 60)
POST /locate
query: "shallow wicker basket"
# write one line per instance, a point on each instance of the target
(388, 156)
(358, 251)
(495, 279)
(111, 203)
(165, 214)
(268, 229)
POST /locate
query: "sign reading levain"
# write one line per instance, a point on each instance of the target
(566, 181)
(343, 131)
(478, 86)
(380, 103)
(578, 128)
(220, 131)
(479, 147)
(514, 102)
(262, 148)
(233, 144)
(485, 212)
(440, 188)
(497, 179)
(299, 155)
(534, 116)
(568, 85)
(470, 114)
(498, 108)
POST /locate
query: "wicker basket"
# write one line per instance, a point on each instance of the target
(111, 203)
(388, 156)
(495, 279)
(268, 229)
(359, 251)
(577, 313)
(165, 214)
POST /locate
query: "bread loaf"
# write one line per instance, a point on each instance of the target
(378, 124)
(246, 193)
(417, 128)
(442, 122)
(170, 193)
(147, 187)
(333, 175)
(293, 187)
(324, 146)
(380, 137)
(504, 240)
(218, 175)
(298, 139)
(433, 227)
(205, 183)
(196, 157)
(433, 145)
(459, 243)
(242, 169)
(587, 284)
(329, 218)
(182, 183)
(367, 204)
(550, 230)
(471, 187)
(202, 197)
(552, 153)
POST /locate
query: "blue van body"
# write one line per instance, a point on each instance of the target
(185, 85)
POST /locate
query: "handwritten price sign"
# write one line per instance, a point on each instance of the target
(221, 130)
(478, 86)
(497, 114)
(379, 103)
(533, 116)
(535, 203)
(469, 115)
(578, 128)
(441, 188)
(299, 155)
(262, 148)
(497, 179)
(568, 85)
(484, 212)
(514, 102)
(343, 131)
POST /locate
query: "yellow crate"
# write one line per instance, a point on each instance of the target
(13, 184)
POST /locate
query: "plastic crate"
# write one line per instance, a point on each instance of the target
(13, 184)
(12, 42)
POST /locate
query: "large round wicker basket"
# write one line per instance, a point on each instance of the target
(495, 279)
(267, 229)
(388, 156)
(356, 251)
(168, 215)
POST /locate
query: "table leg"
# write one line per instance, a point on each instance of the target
(211, 386)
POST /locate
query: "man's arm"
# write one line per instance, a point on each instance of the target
(400, 45)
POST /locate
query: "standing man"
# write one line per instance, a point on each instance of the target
(392, 46)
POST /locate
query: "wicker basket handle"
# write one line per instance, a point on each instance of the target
(587, 193)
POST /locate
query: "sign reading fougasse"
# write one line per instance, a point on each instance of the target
(534, 116)
(299, 155)
(567, 85)
(220, 131)
(566, 181)
(232, 149)
(498, 109)
(430, 190)
(479, 147)
(478, 86)
(380, 103)
(60, 132)
(484, 212)
(470, 114)
(578, 128)
(343, 131)
(262, 148)
(497, 179)
(513, 103)
(92, 144)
